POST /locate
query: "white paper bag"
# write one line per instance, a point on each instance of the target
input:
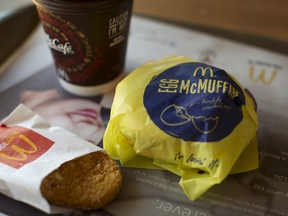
(30, 148)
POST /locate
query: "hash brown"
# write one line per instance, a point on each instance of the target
(88, 182)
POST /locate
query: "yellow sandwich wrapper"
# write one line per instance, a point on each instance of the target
(187, 117)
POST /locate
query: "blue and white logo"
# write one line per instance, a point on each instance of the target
(195, 102)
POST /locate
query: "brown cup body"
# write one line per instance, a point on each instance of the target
(88, 41)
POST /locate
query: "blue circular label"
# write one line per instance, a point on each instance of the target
(195, 102)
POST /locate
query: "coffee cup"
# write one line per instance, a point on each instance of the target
(88, 40)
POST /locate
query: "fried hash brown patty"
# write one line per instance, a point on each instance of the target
(87, 182)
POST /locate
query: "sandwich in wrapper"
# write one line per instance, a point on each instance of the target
(187, 117)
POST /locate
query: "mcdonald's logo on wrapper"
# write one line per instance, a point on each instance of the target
(20, 146)
(202, 71)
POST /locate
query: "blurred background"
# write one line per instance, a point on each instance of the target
(260, 22)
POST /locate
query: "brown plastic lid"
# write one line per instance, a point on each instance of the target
(79, 6)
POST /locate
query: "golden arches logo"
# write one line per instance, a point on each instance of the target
(262, 76)
(20, 146)
(203, 71)
(22, 153)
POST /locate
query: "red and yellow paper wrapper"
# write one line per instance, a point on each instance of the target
(187, 117)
